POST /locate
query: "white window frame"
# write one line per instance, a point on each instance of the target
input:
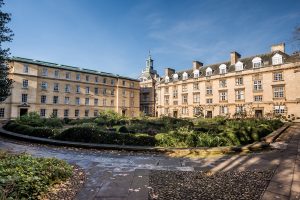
(25, 68)
(278, 92)
(44, 85)
(277, 59)
(239, 66)
(175, 77)
(239, 81)
(257, 85)
(44, 72)
(223, 96)
(239, 95)
(278, 76)
(279, 109)
(256, 62)
(208, 71)
(56, 87)
(222, 69)
(25, 83)
(184, 76)
(24, 98)
(258, 98)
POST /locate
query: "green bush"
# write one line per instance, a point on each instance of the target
(25, 177)
(80, 134)
(54, 122)
(122, 129)
(31, 119)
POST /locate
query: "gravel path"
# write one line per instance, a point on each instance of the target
(231, 185)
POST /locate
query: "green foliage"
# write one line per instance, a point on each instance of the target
(31, 119)
(25, 177)
(122, 129)
(81, 134)
(54, 122)
(110, 118)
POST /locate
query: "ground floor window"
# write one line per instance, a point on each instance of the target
(279, 109)
(76, 113)
(86, 113)
(2, 112)
(185, 111)
(55, 113)
(95, 113)
(223, 110)
(43, 112)
(66, 113)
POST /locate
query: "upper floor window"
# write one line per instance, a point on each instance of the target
(87, 78)
(77, 77)
(277, 76)
(68, 75)
(56, 73)
(279, 109)
(132, 85)
(184, 88)
(196, 86)
(87, 90)
(96, 79)
(196, 73)
(77, 101)
(239, 94)
(184, 76)
(2, 112)
(112, 81)
(124, 83)
(167, 79)
(239, 81)
(44, 85)
(67, 88)
(256, 62)
(223, 69)
(26, 68)
(239, 66)
(175, 77)
(56, 87)
(44, 72)
(208, 71)
(223, 83)
(257, 85)
(25, 83)
(208, 89)
(77, 88)
(223, 96)
(277, 59)
(104, 81)
(24, 98)
(278, 92)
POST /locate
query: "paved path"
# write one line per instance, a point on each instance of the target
(125, 175)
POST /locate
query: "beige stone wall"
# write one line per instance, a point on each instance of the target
(106, 101)
(290, 82)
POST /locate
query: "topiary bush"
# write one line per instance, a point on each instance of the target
(80, 134)
(54, 122)
(122, 129)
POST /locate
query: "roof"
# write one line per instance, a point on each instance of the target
(67, 67)
(247, 64)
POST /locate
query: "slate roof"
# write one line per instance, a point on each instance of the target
(247, 64)
(67, 67)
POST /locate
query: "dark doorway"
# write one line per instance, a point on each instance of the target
(175, 113)
(208, 114)
(123, 112)
(23, 111)
(258, 113)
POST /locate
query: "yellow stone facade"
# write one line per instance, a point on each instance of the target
(68, 92)
(261, 85)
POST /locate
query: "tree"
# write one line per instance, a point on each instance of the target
(5, 36)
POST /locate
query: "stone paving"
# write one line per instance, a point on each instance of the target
(125, 175)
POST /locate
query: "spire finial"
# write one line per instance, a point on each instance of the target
(149, 54)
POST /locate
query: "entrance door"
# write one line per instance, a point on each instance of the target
(209, 114)
(123, 112)
(258, 113)
(23, 111)
(175, 113)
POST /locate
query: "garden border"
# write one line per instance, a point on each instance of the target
(256, 146)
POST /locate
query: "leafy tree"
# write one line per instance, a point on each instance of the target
(5, 36)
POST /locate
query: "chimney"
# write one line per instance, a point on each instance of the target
(169, 71)
(234, 56)
(197, 65)
(278, 47)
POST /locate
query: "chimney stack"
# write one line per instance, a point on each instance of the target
(169, 71)
(197, 65)
(278, 47)
(234, 57)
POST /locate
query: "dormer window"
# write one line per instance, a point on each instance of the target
(277, 59)
(208, 71)
(167, 79)
(257, 62)
(196, 73)
(184, 76)
(239, 66)
(175, 77)
(223, 69)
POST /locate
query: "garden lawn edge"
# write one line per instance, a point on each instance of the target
(256, 146)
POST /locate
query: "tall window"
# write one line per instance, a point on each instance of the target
(277, 76)
(86, 113)
(96, 79)
(87, 90)
(44, 72)
(131, 94)
(96, 113)
(223, 96)
(96, 91)
(104, 80)
(87, 101)
(104, 91)
(55, 112)
(112, 82)
(132, 85)
(43, 112)
(55, 99)
(278, 92)
(166, 100)
(2, 112)
(112, 102)
(26, 68)
(66, 113)
(223, 83)
(196, 98)
(25, 83)
(44, 86)
(68, 75)
(76, 113)
(239, 81)
(104, 102)
(196, 86)
(175, 92)
(185, 99)
(223, 110)
(185, 110)
(24, 98)
(124, 92)
(184, 88)
(124, 83)
(56, 74)
(55, 87)
(112, 92)
(166, 90)
(77, 101)
(77, 88)
(67, 100)
(87, 78)
(239, 95)
(77, 77)
(96, 102)
(257, 85)
(208, 90)
(67, 88)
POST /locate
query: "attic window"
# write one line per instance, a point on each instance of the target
(277, 59)
(175, 77)
(208, 71)
(223, 69)
(239, 66)
(184, 76)
(257, 62)
(167, 79)
(196, 73)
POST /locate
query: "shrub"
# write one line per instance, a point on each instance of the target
(80, 134)
(25, 177)
(31, 119)
(139, 139)
(122, 129)
(54, 122)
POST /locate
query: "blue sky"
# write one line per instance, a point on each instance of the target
(116, 35)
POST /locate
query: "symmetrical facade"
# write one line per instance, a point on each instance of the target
(148, 80)
(67, 92)
(257, 86)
